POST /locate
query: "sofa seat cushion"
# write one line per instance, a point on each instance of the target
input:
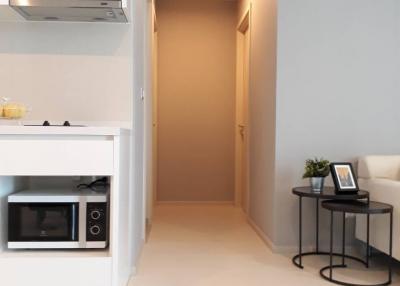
(385, 191)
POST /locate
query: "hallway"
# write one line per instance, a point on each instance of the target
(212, 245)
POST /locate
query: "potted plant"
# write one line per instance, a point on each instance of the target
(316, 169)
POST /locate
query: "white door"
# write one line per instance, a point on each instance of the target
(242, 121)
(244, 128)
(155, 117)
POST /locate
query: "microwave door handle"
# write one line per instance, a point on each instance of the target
(75, 223)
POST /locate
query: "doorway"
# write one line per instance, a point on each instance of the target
(242, 106)
(196, 101)
(200, 79)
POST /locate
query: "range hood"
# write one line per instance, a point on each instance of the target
(70, 10)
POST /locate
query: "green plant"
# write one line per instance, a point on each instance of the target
(316, 168)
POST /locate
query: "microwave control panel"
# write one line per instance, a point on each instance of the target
(97, 222)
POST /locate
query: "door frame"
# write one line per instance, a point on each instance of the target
(155, 105)
(243, 26)
(149, 100)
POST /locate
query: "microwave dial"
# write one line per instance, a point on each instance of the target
(95, 230)
(97, 222)
(95, 214)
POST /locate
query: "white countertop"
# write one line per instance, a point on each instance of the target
(52, 130)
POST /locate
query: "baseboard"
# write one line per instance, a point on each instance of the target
(309, 248)
(137, 259)
(261, 234)
(132, 274)
(133, 271)
(126, 277)
(148, 230)
(195, 202)
(289, 249)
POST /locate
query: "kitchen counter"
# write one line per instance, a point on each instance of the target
(49, 152)
(55, 130)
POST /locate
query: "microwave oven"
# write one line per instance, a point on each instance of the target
(58, 219)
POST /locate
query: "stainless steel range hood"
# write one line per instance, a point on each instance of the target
(70, 10)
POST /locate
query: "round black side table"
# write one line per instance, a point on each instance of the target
(357, 207)
(327, 193)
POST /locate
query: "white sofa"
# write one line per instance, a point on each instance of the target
(380, 175)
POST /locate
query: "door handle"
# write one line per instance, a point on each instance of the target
(241, 129)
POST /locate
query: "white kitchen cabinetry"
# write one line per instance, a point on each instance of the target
(8, 14)
(81, 157)
(69, 151)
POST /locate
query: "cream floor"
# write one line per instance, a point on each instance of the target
(212, 245)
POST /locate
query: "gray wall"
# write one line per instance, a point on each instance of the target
(140, 12)
(337, 94)
(262, 111)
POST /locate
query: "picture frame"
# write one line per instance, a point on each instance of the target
(344, 178)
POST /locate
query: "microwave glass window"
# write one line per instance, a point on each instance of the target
(44, 222)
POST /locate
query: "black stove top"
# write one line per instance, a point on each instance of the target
(47, 123)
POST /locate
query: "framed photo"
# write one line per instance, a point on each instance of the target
(344, 178)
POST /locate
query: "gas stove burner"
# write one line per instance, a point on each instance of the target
(47, 123)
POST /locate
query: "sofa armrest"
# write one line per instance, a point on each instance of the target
(383, 190)
(384, 167)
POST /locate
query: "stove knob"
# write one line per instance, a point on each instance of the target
(46, 123)
(66, 123)
(95, 230)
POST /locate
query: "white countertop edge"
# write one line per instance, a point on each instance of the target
(49, 130)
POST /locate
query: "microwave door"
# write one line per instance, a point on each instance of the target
(33, 224)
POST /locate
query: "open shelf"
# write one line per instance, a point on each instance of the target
(46, 184)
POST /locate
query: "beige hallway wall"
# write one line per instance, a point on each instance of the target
(196, 100)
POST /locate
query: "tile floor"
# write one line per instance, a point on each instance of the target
(212, 245)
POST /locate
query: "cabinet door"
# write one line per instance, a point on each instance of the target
(55, 271)
(56, 157)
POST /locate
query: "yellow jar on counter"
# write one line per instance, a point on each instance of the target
(13, 110)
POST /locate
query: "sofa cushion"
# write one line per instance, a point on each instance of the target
(385, 167)
(385, 191)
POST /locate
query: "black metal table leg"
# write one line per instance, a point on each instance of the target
(300, 232)
(344, 239)
(298, 259)
(376, 208)
(331, 248)
(367, 260)
(317, 226)
(390, 248)
(300, 254)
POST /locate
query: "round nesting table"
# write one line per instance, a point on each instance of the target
(327, 193)
(356, 207)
